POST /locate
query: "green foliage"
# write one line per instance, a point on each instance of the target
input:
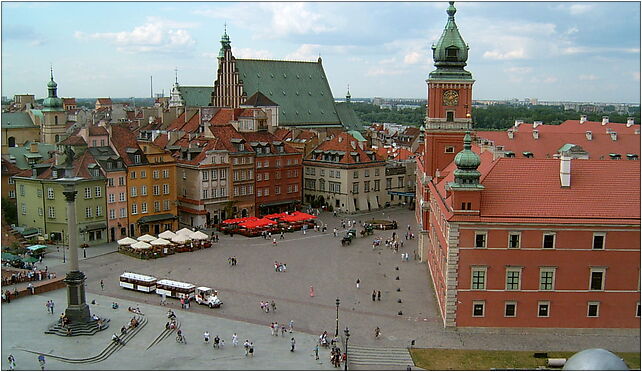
(369, 113)
(498, 117)
(10, 211)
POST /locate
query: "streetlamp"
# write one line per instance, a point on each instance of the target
(336, 330)
(346, 332)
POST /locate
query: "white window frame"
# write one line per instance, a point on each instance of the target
(597, 270)
(479, 302)
(112, 214)
(519, 239)
(485, 233)
(123, 212)
(506, 303)
(449, 150)
(122, 197)
(50, 193)
(134, 209)
(544, 239)
(143, 207)
(206, 174)
(88, 212)
(588, 309)
(156, 190)
(51, 213)
(548, 309)
(157, 206)
(603, 235)
(99, 211)
(111, 198)
(547, 269)
(483, 269)
(133, 192)
(143, 190)
(512, 269)
(87, 192)
(166, 189)
(98, 191)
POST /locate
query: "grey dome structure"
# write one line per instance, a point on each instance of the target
(595, 359)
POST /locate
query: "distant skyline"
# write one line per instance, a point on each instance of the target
(552, 51)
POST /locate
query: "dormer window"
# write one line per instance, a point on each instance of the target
(267, 150)
(451, 54)
(137, 159)
(54, 173)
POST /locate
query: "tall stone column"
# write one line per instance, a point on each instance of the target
(77, 309)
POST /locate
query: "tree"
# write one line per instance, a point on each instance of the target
(10, 211)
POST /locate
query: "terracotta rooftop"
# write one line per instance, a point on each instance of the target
(269, 138)
(190, 126)
(343, 144)
(283, 133)
(9, 169)
(73, 141)
(104, 101)
(529, 189)
(95, 130)
(161, 141)
(123, 138)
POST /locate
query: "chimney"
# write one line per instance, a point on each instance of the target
(535, 133)
(629, 122)
(614, 136)
(518, 122)
(589, 135)
(605, 120)
(510, 133)
(537, 123)
(583, 119)
(33, 147)
(565, 170)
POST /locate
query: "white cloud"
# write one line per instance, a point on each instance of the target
(588, 77)
(275, 20)
(250, 53)
(414, 58)
(306, 52)
(519, 53)
(578, 9)
(519, 70)
(155, 35)
(548, 79)
(581, 50)
(381, 71)
(572, 30)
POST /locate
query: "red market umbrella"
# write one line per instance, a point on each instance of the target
(234, 221)
(298, 216)
(276, 215)
(257, 223)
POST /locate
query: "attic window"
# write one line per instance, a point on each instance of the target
(451, 53)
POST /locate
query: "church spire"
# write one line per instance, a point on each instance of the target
(466, 174)
(450, 53)
(52, 102)
(348, 96)
(225, 42)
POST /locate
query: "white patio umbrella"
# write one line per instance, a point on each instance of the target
(180, 239)
(197, 235)
(184, 231)
(141, 245)
(146, 238)
(160, 241)
(127, 241)
(166, 234)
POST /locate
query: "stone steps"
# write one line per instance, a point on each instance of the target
(85, 329)
(382, 356)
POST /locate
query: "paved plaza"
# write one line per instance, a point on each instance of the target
(313, 259)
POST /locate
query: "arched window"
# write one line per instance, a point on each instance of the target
(11, 141)
(56, 120)
(57, 138)
(244, 213)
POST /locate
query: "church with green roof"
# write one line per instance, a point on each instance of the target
(299, 89)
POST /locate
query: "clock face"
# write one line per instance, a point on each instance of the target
(451, 98)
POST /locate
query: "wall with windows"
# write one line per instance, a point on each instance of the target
(548, 276)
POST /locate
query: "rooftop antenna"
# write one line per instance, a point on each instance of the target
(151, 87)
(176, 74)
(225, 27)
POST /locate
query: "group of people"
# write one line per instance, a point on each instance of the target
(274, 328)
(232, 261)
(376, 295)
(336, 357)
(27, 276)
(135, 310)
(279, 267)
(217, 342)
(265, 306)
(323, 340)
(50, 306)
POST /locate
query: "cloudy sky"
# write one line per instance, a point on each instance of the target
(584, 51)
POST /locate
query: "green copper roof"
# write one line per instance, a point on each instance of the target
(466, 174)
(196, 96)
(17, 120)
(23, 152)
(225, 44)
(52, 102)
(450, 53)
(348, 117)
(299, 88)
(357, 135)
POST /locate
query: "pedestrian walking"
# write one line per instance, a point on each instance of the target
(274, 242)
(41, 361)
(378, 295)
(48, 306)
(217, 342)
(52, 306)
(182, 303)
(102, 285)
(316, 352)
(246, 346)
(283, 330)
(282, 236)
(276, 329)
(251, 351)
(12, 362)
(32, 290)
(334, 231)
(206, 337)
(377, 332)
(374, 294)
(292, 343)
(221, 344)
(273, 304)
(235, 340)
(291, 325)
(358, 282)
(311, 291)
(272, 328)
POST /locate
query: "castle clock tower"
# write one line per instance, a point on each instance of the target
(450, 92)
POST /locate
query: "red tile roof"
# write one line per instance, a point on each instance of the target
(123, 138)
(343, 142)
(306, 135)
(283, 133)
(104, 101)
(549, 142)
(74, 141)
(95, 130)
(161, 141)
(190, 126)
(269, 138)
(529, 189)
(9, 169)
(69, 101)
(225, 116)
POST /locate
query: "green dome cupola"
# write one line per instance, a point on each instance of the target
(225, 43)
(52, 102)
(450, 53)
(466, 174)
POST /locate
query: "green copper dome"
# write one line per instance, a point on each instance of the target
(52, 102)
(450, 53)
(225, 43)
(467, 162)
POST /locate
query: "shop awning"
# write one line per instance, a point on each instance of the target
(96, 226)
(156, 218)
(36, 247)
(279, 202)
(257, 223)
(411, 194)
